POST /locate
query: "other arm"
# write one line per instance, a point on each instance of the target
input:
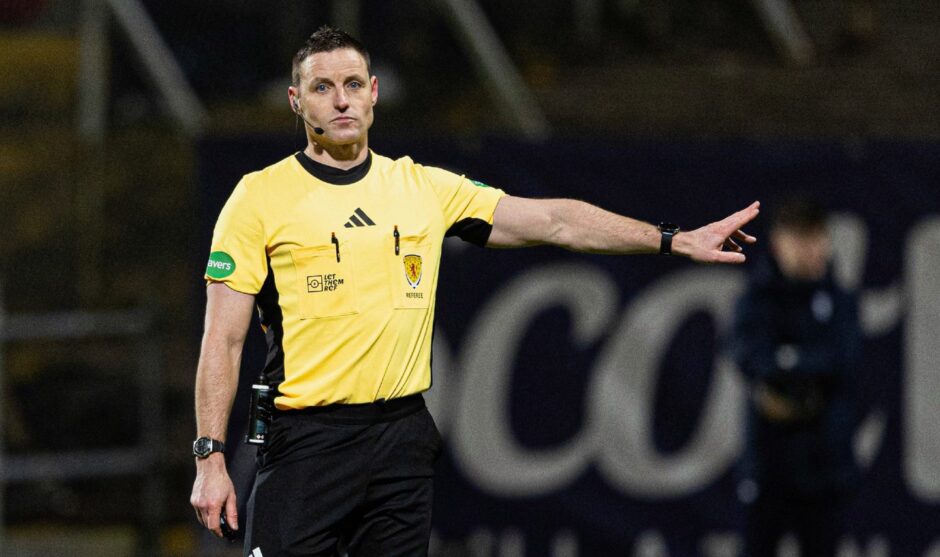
(228, 313)
(580, 226)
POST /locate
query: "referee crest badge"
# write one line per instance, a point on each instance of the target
(412, 269)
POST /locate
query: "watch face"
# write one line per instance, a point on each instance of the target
(202, 447)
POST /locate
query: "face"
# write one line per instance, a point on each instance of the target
(801, 254)
(336, 94)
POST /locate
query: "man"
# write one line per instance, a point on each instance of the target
(797, 339)
(338, 247)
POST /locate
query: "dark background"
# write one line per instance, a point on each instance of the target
(659, 109)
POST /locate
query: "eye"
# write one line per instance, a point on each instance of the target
(321, 88)
(354, 85)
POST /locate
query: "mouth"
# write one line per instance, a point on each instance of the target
(342, 120)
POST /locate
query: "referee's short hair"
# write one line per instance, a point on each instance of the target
(326, 39)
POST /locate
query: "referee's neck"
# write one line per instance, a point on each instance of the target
(343, 157)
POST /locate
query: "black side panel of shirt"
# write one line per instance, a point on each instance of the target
(271, 317)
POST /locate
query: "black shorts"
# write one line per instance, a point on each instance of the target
(345, 478)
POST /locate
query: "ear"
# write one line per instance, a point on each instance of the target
(293, 98)
(374, 81)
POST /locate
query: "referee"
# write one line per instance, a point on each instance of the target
(338, 249)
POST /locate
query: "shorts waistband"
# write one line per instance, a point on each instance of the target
(365, 413)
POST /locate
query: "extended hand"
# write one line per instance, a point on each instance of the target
(718, 242)
(212, 492)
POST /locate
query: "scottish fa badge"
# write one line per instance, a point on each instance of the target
(413, 269)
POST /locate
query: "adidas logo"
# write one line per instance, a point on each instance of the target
(359, 218)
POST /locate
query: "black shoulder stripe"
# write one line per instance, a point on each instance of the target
(475, 231)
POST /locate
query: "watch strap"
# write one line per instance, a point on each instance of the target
(667, 231)
(201, 445)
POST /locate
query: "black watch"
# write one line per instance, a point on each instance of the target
(204, 446)
(668, 230)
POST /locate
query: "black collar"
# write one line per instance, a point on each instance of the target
(332, 175)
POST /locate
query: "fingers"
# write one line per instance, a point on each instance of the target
(743, 237)
(197, 504)
(231, 513)
(737, 220)
(742, 217)
(722, 241)
(209, 517)
(214, 514)
(731, 257)
(208, 514)
(212, 520)
(213, 493)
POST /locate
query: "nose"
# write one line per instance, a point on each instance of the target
(339, 100)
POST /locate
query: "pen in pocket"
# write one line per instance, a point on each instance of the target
(335, 243)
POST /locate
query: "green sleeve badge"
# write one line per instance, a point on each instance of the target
(480, 184)
(220, 265)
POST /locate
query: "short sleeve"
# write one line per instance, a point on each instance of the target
(238, 257)
(468, 205)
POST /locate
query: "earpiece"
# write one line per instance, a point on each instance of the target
(296, 105)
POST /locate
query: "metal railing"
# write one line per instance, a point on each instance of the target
(512, 96)
(156, 60)
(141, 460)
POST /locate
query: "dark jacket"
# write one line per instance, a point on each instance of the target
(800, 341)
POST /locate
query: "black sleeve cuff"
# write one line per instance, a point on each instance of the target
(475, 231)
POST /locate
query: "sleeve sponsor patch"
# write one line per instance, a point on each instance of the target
(479, 184)
(220, 265)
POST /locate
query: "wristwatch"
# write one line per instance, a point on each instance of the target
(204, 446)
(668, 230)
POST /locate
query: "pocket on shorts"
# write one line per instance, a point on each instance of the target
(326, 282)
(436, 436)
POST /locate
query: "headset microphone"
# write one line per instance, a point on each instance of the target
(316, 129)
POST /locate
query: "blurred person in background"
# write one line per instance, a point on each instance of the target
(338, 248)
(797, 339)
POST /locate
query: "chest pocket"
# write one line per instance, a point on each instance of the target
(412, 271)
(326, 283)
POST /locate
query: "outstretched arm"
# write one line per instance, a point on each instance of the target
(228, 314)
(580, 226)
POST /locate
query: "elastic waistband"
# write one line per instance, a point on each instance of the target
(367, 413)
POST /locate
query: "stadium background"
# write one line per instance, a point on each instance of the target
(587, 404)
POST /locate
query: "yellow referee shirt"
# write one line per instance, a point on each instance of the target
(344, 266)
